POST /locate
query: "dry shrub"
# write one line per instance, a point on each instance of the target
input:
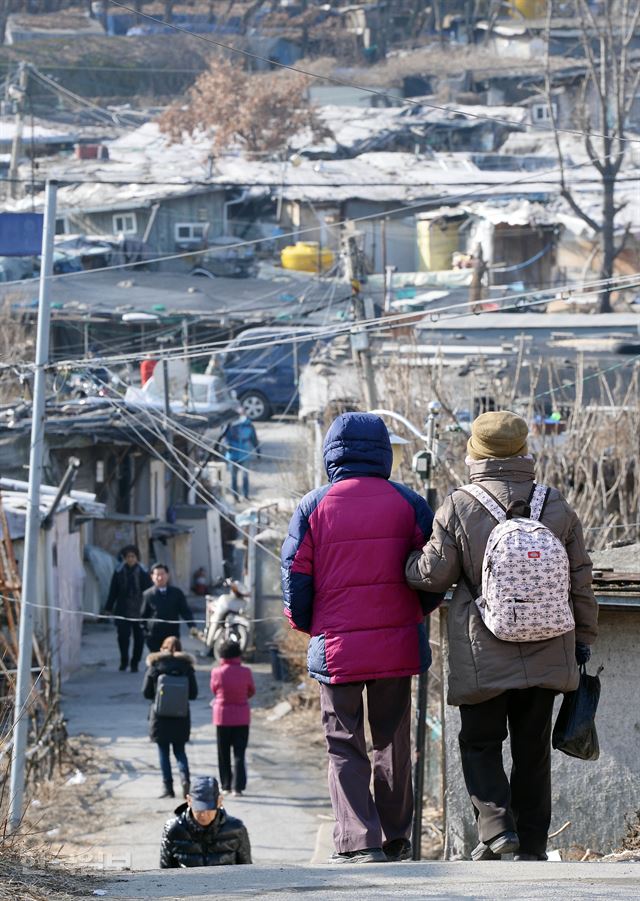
(593, 458)
(293, 646)
(17, 337)
(258, 113)
(631, 840)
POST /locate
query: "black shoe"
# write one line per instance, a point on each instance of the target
(185, 787)
(168, 792)
(523, 855)
(505, 843)
(134, 667)
(397, 849)
(364, 855)
(123, 666)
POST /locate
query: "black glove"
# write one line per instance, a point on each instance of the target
(583, 653)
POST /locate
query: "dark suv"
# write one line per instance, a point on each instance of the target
(262, 367)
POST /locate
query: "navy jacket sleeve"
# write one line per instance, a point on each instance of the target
(423, 527)
(297, 563)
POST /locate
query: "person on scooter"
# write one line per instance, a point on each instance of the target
(232, 685)
(232, 601)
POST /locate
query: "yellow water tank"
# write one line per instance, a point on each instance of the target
(307, 256)
(528, 9)
(437, 242)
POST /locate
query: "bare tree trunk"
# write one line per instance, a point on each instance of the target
(607, 238)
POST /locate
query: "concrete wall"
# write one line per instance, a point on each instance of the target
(595, 796)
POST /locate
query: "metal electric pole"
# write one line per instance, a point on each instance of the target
(354, 274)
(423, 464)
(32, 527)
(19, 94)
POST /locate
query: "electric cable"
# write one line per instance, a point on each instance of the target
(516, 301)
(373, 91)
(296, 233)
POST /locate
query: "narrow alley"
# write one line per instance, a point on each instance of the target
(286, 797)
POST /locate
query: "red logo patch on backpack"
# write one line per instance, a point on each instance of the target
(535, 555)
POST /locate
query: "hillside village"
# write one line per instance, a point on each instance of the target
(283, 211)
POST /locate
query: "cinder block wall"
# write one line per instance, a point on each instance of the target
(595, 796)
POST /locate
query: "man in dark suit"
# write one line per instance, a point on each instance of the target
(128, 584)
(163, 605)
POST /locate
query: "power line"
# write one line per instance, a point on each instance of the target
(207, 497)
(296, 233)
(374, 91)
(515, 301)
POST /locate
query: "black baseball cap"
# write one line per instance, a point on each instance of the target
(204, 792)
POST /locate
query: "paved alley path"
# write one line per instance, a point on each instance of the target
(286, 795)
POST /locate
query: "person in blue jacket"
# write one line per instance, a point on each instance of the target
(241, 443)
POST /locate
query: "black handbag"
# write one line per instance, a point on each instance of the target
(574, 732)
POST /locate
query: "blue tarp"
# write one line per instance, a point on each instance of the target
(21, 234)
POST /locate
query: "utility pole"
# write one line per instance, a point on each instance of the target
(388, 287)
(19, 95)
(32, 526)
(354, 275)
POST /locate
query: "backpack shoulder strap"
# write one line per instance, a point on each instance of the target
(491, 504)
(539, 497)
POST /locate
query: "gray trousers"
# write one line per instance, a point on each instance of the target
(363, 820)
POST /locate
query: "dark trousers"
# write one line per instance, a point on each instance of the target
(125, 628)
(236, 738)
(235, 472)
(165, 761)
(363, 820)
(522, 803)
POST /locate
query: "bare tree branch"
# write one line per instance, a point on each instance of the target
(586, 45)
(580, 212)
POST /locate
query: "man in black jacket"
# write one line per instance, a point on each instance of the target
(163, 605)
(128, 583)
(202, 834)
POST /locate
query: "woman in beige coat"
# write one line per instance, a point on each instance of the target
(504, 686)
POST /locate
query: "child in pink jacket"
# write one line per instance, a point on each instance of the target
(232, 684)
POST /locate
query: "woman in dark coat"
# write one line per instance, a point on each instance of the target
(172, 730)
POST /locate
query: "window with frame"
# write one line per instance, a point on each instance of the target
(125, 223)
(191, 231)
(542, 112)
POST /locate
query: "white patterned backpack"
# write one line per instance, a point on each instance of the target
(525, 573)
